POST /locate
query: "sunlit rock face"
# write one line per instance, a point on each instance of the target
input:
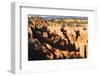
(57, 38)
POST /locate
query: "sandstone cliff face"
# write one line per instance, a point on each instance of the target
(57, 38)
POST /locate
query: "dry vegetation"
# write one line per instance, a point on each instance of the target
(65, 38)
